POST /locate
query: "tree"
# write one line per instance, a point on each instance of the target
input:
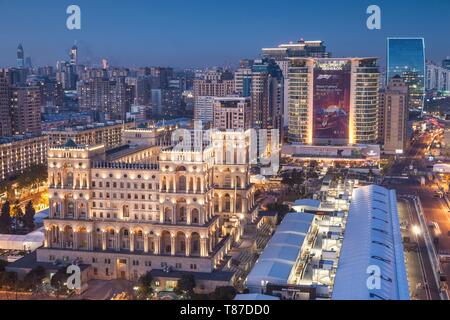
(185, 285)
(8, 280)
(5, 218)
(59, 280)
(145, 286)
(18, 217)
(34, 277)
(224, 293)
(3, 264)
(28, 218)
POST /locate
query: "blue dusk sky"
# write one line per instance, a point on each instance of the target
(201, 33)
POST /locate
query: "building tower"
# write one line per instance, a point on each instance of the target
(20, 57)
(394, 102)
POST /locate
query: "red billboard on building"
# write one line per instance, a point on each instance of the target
(331, 106)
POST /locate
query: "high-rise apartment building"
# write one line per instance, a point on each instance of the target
(5, 104)
(26, 110)
(213, 84)
(406, 58)
(113, 98)
(333, 101)
(232, 113)
(394, 103)
(267, 95)
(437, 78)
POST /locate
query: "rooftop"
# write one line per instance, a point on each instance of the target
(372, 240)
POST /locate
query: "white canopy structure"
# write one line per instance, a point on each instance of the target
(372, 263)
(31, 241)
(279, 258)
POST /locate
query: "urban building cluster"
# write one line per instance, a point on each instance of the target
(132, 190)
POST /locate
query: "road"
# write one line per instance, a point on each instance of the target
(421, 267)
(435, 209)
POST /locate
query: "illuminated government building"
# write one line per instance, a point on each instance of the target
(148, 204)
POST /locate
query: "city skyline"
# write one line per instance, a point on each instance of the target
(200, 30)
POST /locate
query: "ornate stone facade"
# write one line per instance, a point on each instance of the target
(185, 210)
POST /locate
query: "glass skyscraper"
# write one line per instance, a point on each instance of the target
(406, 58)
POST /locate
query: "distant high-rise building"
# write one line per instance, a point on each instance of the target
(5, 100)
(20, 57)
(333, 101)
(26, 110)
(105, 64)
(66, 74)
(406, 58)
(28, 63)
(243, 78)
(112, 98)
(73, 54)
(267, 94)
(394, 105)
(211, 85)
(232, 113)
(446, 63)
(437, 78)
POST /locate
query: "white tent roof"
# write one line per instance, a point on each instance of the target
(279, 257)
(306, 204)
(372, 239)
(30, 241)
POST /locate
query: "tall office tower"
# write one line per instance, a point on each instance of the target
(267, 93)
(73, 54)
(281, 55)
(20, 57)
(333, 101)
(446, 63)
(26, 110)
(232, 113)
(210, 86)
(394, 103)
(243, 78)
(406, 58)
(5, 101)
(437, 78)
